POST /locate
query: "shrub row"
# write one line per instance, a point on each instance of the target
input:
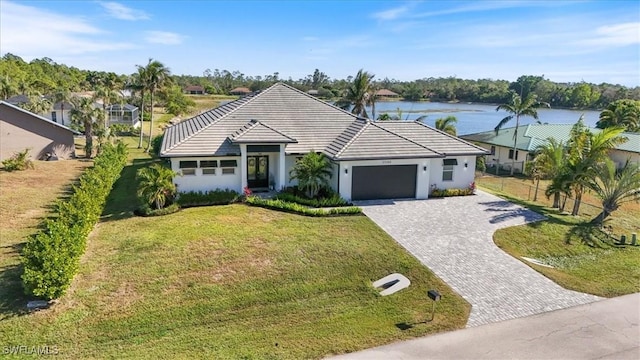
(281, 205)
(213, 197)
(146, 210)
(51, 257)
(451, 192)
(333, 200)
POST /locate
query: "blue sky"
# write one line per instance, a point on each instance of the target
(566, 41)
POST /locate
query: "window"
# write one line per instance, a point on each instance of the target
(493, 150)
(511, 154)
(208, 171)
(228, 171)
(54, 116)
(208, 167)
(447, 169)
(188, 167)
(228, 163)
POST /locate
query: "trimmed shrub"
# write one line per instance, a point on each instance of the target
(18, 161)
(146, 210)
(51, 257)
(332, 201)
(213, 197)
(451, 192)
(156, 144)
(290, 207)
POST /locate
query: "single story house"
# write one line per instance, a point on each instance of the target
(123, 114)
(386, 93)
(256, 140)
(240, 91)
(21, 129)
(194, 90)
(531, 136)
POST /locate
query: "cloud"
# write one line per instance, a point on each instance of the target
(119, 11)
(23, 32)
(615, 35)
(163, 37)
(391, 14)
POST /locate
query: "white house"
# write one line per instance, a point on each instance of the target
(255, 141)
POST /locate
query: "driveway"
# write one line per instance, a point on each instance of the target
(454, 238)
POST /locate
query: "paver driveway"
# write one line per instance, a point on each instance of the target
(454, 238)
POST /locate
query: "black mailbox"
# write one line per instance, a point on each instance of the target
(433, 295)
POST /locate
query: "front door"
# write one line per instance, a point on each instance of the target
(258, 171)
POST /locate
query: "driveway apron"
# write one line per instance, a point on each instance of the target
(454, 238)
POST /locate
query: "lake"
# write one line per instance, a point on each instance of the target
(474, 118)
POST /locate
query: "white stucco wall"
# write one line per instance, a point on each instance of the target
(462, 176)
(200, 182)
(67, 116)
(620, 157)
(422, 180)
(501, 157)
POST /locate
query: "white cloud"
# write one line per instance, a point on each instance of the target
(24, 32)
(391, 14)
(119, 11)
(615, 35)
(163, 37)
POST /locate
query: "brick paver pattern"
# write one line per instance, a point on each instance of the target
(454, 238)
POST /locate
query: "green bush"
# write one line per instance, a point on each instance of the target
(451, 192)
(156, 144)
(146, 210)
(291, 207)
(213, 197)
(124, 130)
(51, 257)
(334, 200)
(18, 161)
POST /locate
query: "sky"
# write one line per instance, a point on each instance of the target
(565, 41)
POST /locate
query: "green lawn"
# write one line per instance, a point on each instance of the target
(233, 282)
(602, 270)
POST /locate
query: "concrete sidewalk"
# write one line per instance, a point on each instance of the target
(605, 329)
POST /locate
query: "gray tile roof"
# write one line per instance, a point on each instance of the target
(282, 114)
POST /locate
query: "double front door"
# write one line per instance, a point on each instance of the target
(258, 171)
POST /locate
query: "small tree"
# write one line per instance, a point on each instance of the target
(615, 187)
(155, 185)
(313, 172)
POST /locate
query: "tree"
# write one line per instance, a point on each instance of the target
(154, 77)
(84, 115)
(359, 94)
(313, 172)
(447, 125)
(176, 102)
(136, 84)
(155, 185)
(38, 104)
(614, 187)
(107, 90)
(7, 87)
(517, 108)
(621, 113)
(586, 151)
(62, 96)
(548, 163)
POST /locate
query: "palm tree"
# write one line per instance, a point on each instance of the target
(359, 94)
(108, 94)
(447, 125)
(62, 96)
(38, 104)
(517, 108)
(621, 113)
(586, 151)
(155, 76)
(85, 115)
(155, 185)
(313, 172)
(614, 187)
(135, 84)
(7, 88)
(548, 163)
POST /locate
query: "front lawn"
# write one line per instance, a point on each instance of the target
(602, 270)
(233, 281)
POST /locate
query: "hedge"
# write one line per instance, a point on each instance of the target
(435, 193)
(281, 205)
(213, 197)
(146, 210)
(333, 200)
(51, 257)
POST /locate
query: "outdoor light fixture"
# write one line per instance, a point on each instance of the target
(346, 170)
(424, 168)
(435, 296)
(465, 165)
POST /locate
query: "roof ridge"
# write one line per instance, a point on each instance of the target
(253, 123)
(354, 137)
(39, 117)
(318, 100)
(276, 130)
(447, 134)
(406, 138)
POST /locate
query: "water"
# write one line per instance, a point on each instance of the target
(474, 118)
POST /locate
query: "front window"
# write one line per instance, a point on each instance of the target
(208, 167)
(54, 116)
(188, 167)
(511, 154)
(447, 169)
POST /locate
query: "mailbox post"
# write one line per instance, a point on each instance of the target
(434, 295)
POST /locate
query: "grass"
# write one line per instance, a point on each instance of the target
(601, 269)
(233, 282)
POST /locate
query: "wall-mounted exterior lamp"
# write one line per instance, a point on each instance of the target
(424, 168)
(346, 170)
(466, 165)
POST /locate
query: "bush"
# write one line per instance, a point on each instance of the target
(123, 130)
(18, 161)
(333, 200)
(156, 145)
(213, 197)
(451, 192)
(146, 210)
(290, 207)
(51, 257)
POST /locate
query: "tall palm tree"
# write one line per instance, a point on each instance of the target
(136, 84)
(518, 108)
(156, 76)
(155, 185)
(38, 104)
(109, 94)
(359, 94)
(85, 115)
(615, 187)
(586, 151)
(447, 125)
(313, 172)
(548, 163)
(621, 113)
(62, 95)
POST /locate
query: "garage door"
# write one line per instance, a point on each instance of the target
(384, 182)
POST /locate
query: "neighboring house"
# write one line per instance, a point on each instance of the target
(18, 100)
(21, 129)
(59, 115)
(194, 90)
(386, 93)
(255, 141)
(240, 91)
(531, 136)
(123, 114)
(313, 92)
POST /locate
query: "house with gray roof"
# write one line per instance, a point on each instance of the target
(531, 136)
(255, 141)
